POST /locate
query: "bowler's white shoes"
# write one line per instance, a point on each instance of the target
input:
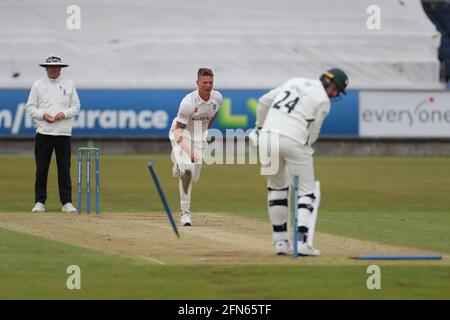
(38, 207)
(186, 219)
(305, 250)
(282, 247)
(68, 207)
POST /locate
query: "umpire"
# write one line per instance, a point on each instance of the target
(53, 102)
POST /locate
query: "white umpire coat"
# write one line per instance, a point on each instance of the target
(53, 96)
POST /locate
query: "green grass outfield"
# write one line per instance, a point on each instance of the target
(400, 201)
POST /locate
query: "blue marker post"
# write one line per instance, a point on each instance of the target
(398, 257)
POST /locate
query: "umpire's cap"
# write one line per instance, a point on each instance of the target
(53, 60)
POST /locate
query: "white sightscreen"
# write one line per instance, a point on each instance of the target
(248, 43)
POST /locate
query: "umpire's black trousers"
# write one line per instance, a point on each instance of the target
(43, 149)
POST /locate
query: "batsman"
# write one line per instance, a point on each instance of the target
(288, 122)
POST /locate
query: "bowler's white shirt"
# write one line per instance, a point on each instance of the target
(194, 112)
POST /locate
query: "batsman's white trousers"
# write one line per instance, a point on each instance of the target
(289, 158)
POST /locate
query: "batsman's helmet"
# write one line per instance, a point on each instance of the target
(337, 76)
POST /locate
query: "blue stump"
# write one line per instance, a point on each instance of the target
(163, 198)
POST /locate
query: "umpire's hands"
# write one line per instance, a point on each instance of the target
(60, 116)
(48, 118)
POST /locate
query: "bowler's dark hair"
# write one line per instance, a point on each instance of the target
(205, 72)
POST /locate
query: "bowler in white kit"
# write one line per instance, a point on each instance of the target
(188, 134)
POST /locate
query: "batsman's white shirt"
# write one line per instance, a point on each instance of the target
(295, 109)
(194, 112)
